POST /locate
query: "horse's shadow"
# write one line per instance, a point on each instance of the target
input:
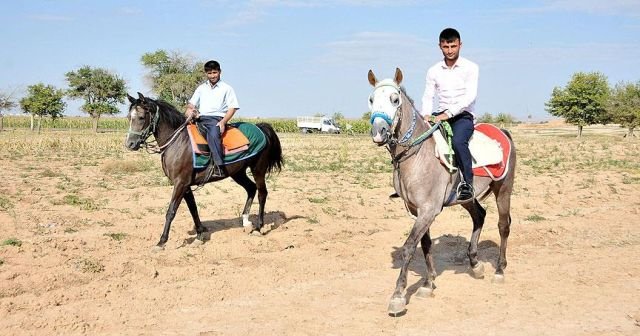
(272, 221)
(449, 253)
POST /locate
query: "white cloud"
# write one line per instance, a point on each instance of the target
(381, 51)
(608, 7)
(597, 54)
(48, 17)
(130, 11)
(254, 10)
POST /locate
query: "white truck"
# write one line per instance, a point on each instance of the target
(317, 124)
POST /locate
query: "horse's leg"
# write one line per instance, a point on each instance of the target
(179, 190)
(262, 196)
(193, 209)
(503, 201)
(427, 289)
(242, 179)
(421, 226)
(477, 215)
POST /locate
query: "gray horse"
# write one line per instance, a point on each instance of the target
(426, 185)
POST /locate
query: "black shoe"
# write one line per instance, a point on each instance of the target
(465, 192)
(218, 170)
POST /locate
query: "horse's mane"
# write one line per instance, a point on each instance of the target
(169, 113)
(411, 102)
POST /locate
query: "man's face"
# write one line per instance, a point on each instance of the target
(451, 49)
(213, 76)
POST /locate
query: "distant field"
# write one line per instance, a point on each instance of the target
(121, 123)
(358, 126)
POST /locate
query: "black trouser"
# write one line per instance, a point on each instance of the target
(462, 127)
(213, 138)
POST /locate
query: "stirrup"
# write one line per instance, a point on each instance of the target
(465, 192)
(218, 171)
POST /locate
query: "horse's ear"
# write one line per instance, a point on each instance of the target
(372, 78)
(131, 99)
(398, 78)
(140, 96)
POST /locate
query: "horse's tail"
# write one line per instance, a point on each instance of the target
(275, 149)
(507, 133)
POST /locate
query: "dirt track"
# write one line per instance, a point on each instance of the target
(87, 215)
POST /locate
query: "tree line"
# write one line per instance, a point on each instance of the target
(587, 99)
(173, 77)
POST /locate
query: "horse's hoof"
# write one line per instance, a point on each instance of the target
(478, 271)
(157, 248)
(498, 278)
(196, 243)
(256, 233)
(424, 292)
(397, 306)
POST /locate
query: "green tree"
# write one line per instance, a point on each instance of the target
(173, 76)
(338, 116)
(43, 101)
(100, 89)
(486, 118)
(6, 103)
(624, 106)
(504, 119)
(582, 102)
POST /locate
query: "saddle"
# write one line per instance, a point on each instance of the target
(240, 141)
(490, 150)
(233, 141)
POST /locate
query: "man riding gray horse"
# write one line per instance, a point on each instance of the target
(454, 81)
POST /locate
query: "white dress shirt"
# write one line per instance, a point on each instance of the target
(456, 88)
(214, 100)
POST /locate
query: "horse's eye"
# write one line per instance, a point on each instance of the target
(371, 100)
(395, 100)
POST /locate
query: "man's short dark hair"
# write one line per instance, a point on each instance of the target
(449, 35)
(212, 66)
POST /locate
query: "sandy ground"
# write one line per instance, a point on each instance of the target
(79, 217)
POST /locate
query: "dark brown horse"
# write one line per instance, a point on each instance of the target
(425, 184)
(148, 116)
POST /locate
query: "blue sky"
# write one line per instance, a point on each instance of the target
(287, 58)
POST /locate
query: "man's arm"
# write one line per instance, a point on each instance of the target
(232, 102)
(191, 110)
(429, 93)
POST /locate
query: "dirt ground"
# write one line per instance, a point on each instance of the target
(79, 217)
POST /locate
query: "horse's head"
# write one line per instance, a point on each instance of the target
(143, 120)
(384, 103)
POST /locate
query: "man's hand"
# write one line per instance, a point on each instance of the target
(191, 112)
(222, 126)
(435, 119)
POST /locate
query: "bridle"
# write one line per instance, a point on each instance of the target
(394, 138)
(152, 147)
(150, 129)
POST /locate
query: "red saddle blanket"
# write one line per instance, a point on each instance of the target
(499, 170)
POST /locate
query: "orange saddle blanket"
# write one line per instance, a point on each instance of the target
(233, 141)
